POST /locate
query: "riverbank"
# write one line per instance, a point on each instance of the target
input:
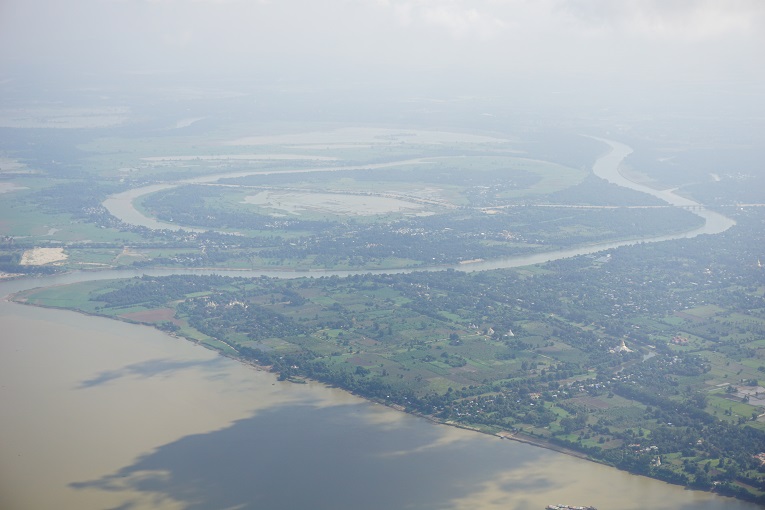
(128, 370)
(515, 436)
(543, 443)
(20, 298)
(520, 438)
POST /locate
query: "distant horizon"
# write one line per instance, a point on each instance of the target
(566, 57)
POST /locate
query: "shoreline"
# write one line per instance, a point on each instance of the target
(519, 437)
(467, 266)
(291, 272)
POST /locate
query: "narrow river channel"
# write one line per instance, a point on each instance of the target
(100, 414)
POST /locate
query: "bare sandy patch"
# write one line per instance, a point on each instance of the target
(7, 187)
(187, 122)
(366, 136)
(297, 203)
(242, 157)
(129, 252)
(471, 261)
(42, 256)
(12, 166)
(63, 118)
(328, 146)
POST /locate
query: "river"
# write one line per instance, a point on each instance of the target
(606, 167)
(101, 414)
(121, 205)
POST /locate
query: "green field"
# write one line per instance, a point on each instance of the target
(507, 350)
(398, 199)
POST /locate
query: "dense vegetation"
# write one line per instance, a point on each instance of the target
(448, 237)
(470, 201)
(648, 358)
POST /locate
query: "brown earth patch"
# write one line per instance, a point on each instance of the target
(361, 361)
(591, 402)
(369, 342)
(151, 316)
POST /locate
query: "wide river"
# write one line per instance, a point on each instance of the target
(607, 166)
(99, 414)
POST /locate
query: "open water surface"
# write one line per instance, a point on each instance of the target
(102, 414)
(607, 167)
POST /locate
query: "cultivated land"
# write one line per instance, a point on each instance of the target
(649, 358)
(348, 198)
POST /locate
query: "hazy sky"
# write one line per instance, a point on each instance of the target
(468, 45)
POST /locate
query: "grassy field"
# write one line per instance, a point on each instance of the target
(433, 212)
(496, 352)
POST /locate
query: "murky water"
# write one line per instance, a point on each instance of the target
(121, 205)
(607, 167)
(103, 414)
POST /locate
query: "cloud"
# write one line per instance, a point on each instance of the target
(458, 18)
(150, 368)
(689, 20)
(462, 21)
(475, 46)
(668, 20)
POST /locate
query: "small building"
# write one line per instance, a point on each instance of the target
(622, 348)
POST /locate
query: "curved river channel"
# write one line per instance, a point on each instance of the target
(101, 414)
(607, 167)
